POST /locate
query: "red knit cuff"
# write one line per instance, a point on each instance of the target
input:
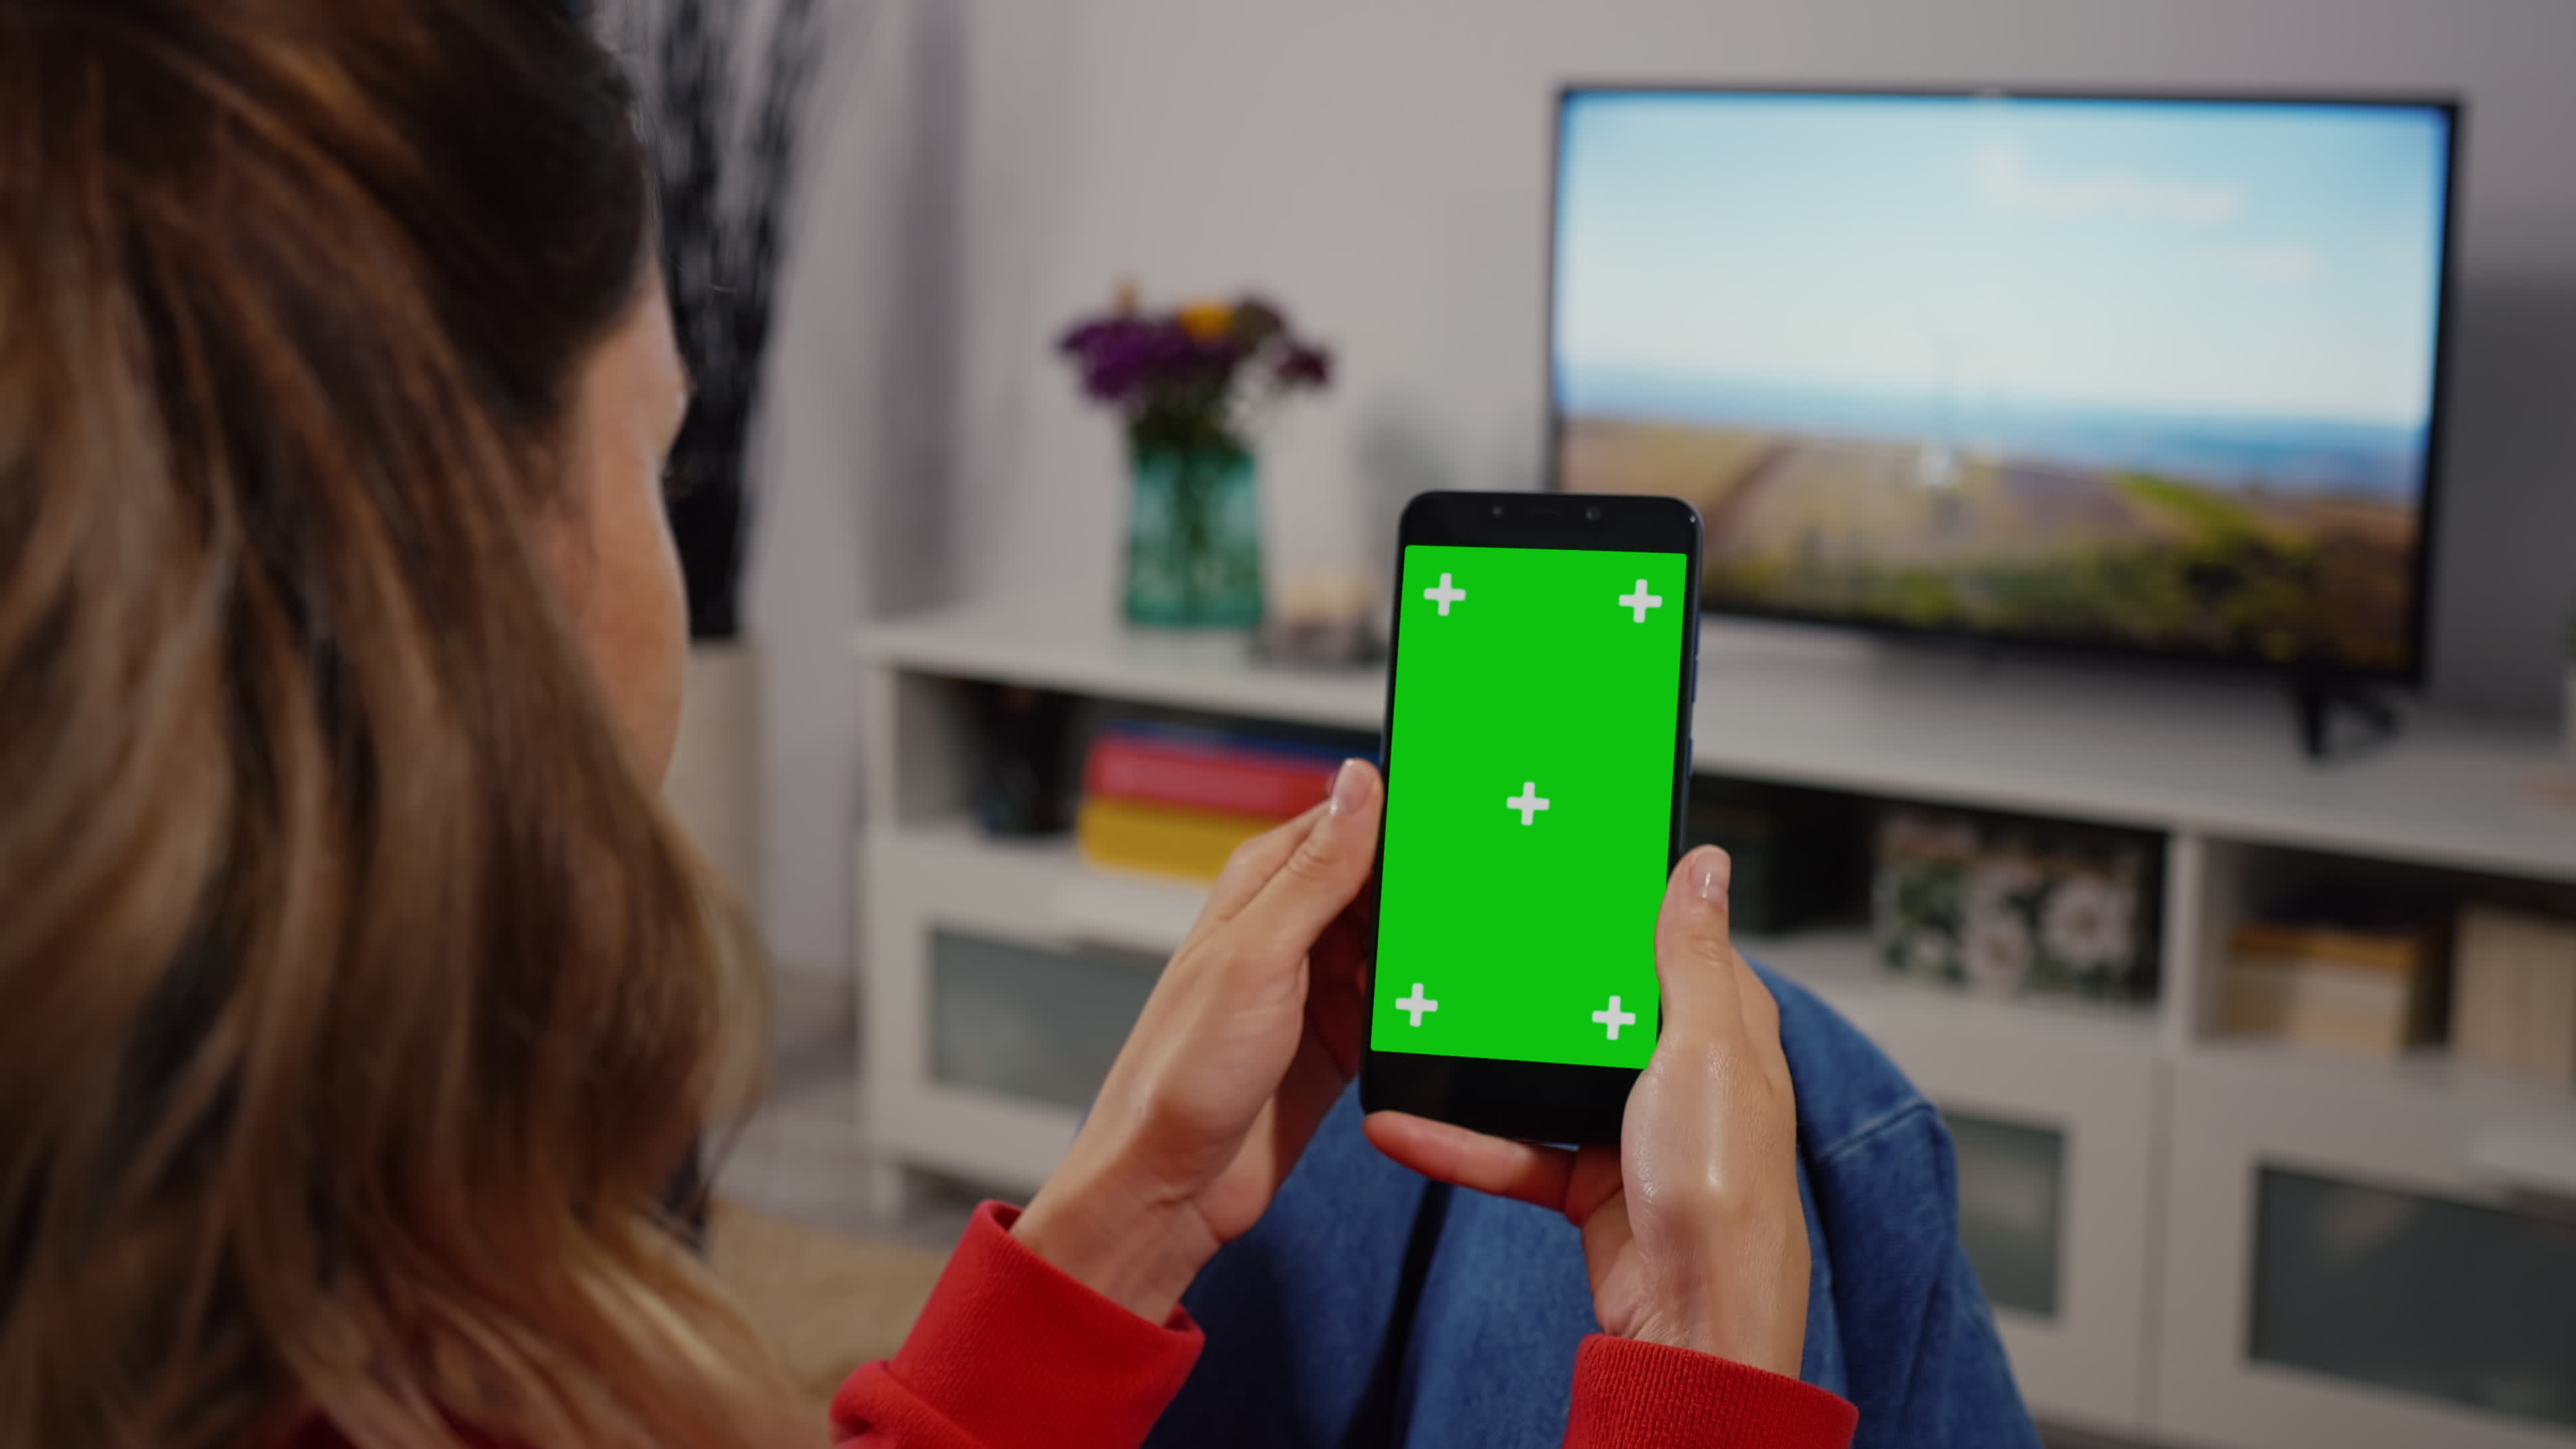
(1632, 1393)
(1013, 1350)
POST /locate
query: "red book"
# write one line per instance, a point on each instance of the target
(1205, 775)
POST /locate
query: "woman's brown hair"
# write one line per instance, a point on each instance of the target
(355, 994)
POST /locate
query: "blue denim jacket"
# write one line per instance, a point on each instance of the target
(1370, 1307)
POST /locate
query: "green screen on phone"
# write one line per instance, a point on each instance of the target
(1531, 752)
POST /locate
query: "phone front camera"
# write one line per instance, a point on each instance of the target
(1498, 510)
(1592, 514)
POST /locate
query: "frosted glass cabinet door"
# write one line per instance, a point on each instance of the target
(2052, 1118)
(2437, 1298)
(2348, 1265)
(2012, 1195)
(1000, 985)
(1034, 1022)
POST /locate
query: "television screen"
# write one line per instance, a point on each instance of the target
(2155, 375)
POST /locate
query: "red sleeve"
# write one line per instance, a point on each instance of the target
(1011, 1350)
(1629, 1393)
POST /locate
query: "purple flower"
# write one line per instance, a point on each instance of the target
(1305, 365)
(1172, 380)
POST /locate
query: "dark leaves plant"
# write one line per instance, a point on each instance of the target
(725, 207)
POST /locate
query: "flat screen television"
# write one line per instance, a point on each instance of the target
(2148, 374)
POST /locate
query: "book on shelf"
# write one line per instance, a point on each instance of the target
(2513, 994)
(2332, 989)
(1206, 770)
(1165, 839)
(1177, 800)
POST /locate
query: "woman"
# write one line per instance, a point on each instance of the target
(358, 994)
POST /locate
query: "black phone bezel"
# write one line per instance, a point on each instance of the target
(1535, 1101)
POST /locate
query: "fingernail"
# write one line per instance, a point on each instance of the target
(1349, 786)
(1712, 875)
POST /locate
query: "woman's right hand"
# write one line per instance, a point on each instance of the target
(1692, 1227)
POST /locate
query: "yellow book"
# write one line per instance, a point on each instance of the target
(2399, 953)
(1165, 839)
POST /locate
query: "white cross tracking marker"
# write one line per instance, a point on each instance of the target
(1614, 1018)
(1640, 601)
(1417, 1003)
(1527, 802)
(1445, 595)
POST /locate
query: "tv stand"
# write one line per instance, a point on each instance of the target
(997, 972)
(2317, 699)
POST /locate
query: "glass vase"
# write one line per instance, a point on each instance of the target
(1194, 538)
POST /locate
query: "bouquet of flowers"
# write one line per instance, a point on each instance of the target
(1192, 384)
(1196, 377)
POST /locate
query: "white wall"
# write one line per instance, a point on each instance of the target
(839, 456)
(1381, 165)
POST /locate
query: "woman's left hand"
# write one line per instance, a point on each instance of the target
(1250, 1035)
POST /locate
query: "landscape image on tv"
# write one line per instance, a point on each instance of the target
(2156, 375)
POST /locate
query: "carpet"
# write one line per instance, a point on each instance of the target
(829, 1302)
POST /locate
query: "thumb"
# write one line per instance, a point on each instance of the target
(1328, 867)
(1694, 957)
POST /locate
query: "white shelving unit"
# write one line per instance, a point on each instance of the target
(2163, 1133)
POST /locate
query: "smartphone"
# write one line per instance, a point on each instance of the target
(1537, 755)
